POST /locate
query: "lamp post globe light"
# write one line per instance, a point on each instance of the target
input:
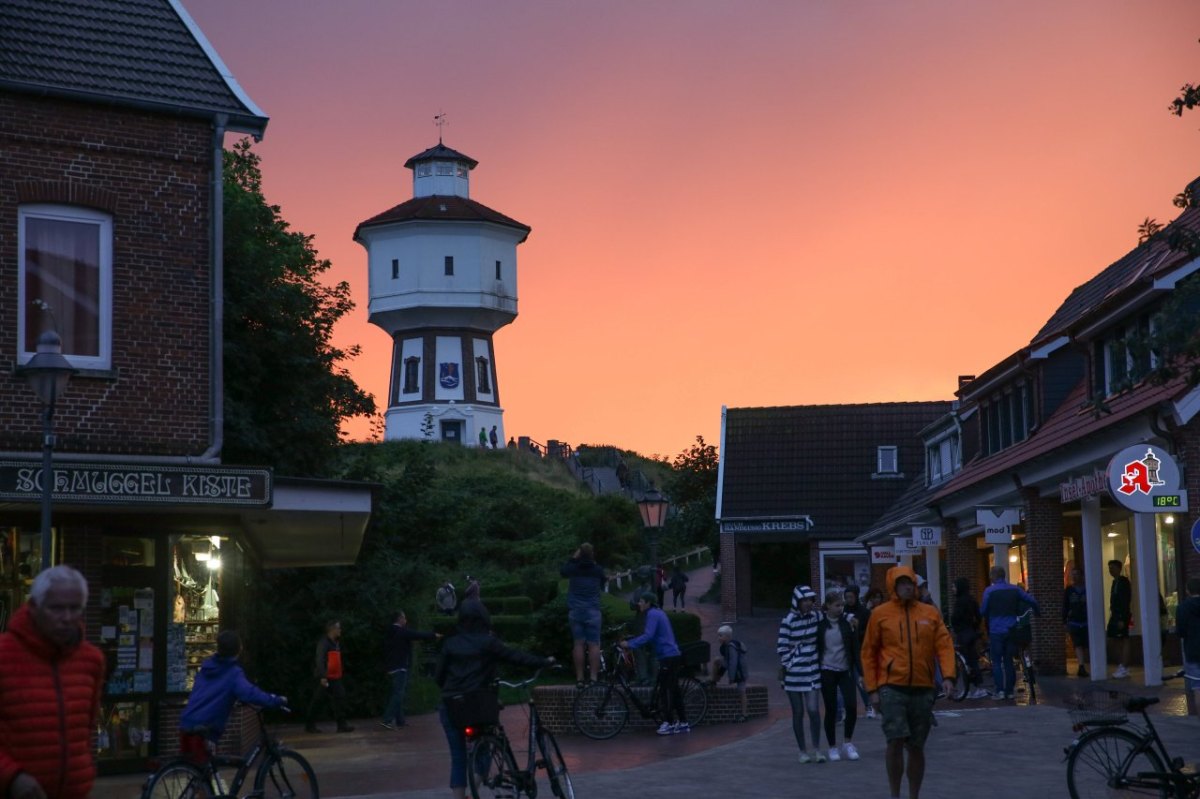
(653, 507)
(48, 372)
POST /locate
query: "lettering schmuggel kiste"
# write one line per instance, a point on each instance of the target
(150, 484)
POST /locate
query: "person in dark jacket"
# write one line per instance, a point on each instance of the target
(50, 683)
(858, 614)
(219, 683)
(1002, 604)
(838, 656)
(328, 673)
(678, 585)
(1120, 604)
(1074, 609)
(1187, 624)
(964, 623)
(585, 584)
(468, 664)
(397, 660)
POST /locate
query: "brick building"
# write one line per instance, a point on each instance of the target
(113, 115)
(798, 484)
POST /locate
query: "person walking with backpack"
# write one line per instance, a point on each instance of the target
(797, 650)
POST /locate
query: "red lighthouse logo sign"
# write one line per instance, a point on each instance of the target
(1141, 476)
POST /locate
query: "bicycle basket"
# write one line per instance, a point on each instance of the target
(1098, 706)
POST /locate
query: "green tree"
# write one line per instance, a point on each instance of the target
(692, 488)
(287, 390)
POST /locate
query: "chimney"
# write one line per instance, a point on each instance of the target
(964, 380)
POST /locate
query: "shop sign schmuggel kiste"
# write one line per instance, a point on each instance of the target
(1144, 478)
(137, 484)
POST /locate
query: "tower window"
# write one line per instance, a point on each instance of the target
(424, 170)
(483, 380)
(412, 367)
(395, 268)
(449, 264)
(462, 170)
(497, 270)
(444, 168)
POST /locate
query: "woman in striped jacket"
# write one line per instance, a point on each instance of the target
(797, 648)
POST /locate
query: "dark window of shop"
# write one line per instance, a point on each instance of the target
(497, 270)
(412, 367)
(395, 268)
(483, 376)
(1006, 420)
(449, 264)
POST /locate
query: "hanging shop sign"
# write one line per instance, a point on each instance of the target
(927, 535)
(905, 545)
(134, 484)
(800, 524)
(883, 555)
(997, 523)
(1144, 478)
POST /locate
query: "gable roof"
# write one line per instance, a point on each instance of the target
(442, 208)
(146, 54)
(1142, 263)
(820, 461)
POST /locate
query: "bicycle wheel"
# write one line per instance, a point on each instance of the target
(1029, 672)
(961, 678)
(1106, 761)
(491, 770)
(695, 700)
(286, 775)
(556, 767)
(600, 711)
(179, 779)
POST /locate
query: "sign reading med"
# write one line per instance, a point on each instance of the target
(1144, 478)
(137, 484)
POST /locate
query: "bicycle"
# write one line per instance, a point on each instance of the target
(1022, 640)
(962, 676)
(601, 709)
(492, 766)
(282, 773)
(1110, 759)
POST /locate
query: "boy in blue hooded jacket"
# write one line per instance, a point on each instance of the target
(219, 683)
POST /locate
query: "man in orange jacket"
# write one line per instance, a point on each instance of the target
(902, 639)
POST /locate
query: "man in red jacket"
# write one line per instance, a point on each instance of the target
(50, 686)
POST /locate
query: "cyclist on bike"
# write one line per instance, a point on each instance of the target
(670, 660)
(219, 683)
(1001, 606)
(467, 666)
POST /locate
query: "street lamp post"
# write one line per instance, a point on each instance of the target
(48, 372)
(653, 507)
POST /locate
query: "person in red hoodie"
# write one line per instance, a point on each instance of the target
(902, 640)
(50, 682)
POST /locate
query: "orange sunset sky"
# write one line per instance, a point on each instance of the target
(733, 203)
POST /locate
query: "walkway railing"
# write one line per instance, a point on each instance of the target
(616, 582)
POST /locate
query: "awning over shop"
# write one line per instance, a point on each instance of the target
(310, 523)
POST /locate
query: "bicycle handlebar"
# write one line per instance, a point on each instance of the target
(532, 679)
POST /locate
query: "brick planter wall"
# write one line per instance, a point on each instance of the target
(555, 701)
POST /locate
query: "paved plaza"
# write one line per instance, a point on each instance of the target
(980, 749)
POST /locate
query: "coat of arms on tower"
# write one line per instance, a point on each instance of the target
(448, 375)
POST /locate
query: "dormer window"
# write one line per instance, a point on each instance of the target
(887, 460)
(943, 458)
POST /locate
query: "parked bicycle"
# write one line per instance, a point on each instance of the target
(601, 709)
(492, 765)
(282, 773)
(1115, 758)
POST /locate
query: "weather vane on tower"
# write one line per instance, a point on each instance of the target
(439, 119)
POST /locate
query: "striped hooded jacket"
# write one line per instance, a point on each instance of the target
(797, 644)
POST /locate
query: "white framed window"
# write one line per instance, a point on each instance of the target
(887, 460)
(424, 170)
(443, 167)
(64, 282)
(462, 170)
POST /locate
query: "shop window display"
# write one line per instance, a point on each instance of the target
(20, 562)
(195, 607)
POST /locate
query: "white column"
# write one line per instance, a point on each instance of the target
(933, 565)
(1145, 582)
(1000, 557)
(1093, 579)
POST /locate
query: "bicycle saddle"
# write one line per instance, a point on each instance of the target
(1140, 703)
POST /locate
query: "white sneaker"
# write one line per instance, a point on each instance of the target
(870, 711)
(834, 754)
(666, 729)
(818, 757)
(1121, 673)
(978, 693)
(682, 726)
(999, 696)
(804, 757)
(851, 752)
